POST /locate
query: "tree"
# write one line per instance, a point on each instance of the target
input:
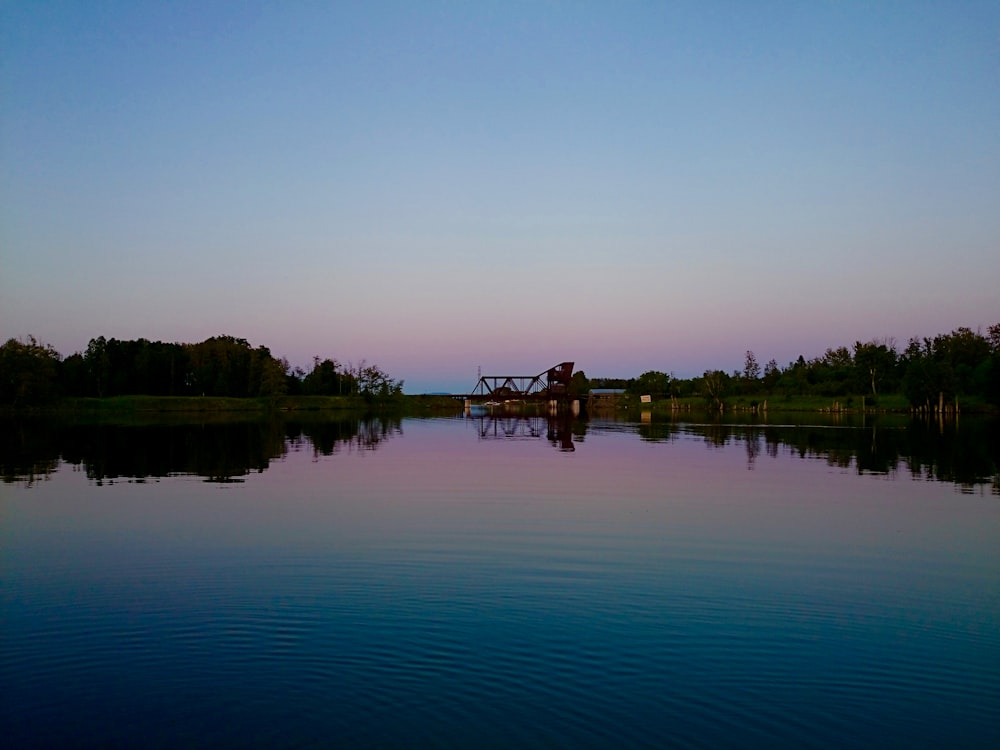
(652, 383)
(994, 336)
(714, 386)
(98, 364)
(832, 374)
(327, 379)
(751, 373)
(874, 362)
(222, 366)
(925, 377)
(73, 376)
(274, 377)
(927, 380)
(28, 372)
(962, 351)
(578, 384)
(772, 374)
(373, 382)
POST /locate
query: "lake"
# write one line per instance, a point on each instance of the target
(503, 582)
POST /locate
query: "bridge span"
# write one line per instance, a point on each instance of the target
(548, 385)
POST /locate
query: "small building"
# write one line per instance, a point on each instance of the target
(604, 398)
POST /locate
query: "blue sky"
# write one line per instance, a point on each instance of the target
(441, 186)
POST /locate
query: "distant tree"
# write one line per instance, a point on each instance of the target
(28, 372)
(579, 385)
(98, 365)
(750, 376)
(874, 364)
(714, 386)
(374, 383)
(222, 366)
(961, 351)
(652, 383)
(794, 378)
(73, 376)
(273, 377)
(328, 379)
(772, 374)
(617, 383)
(925, 381)
(925, 378)
(833, 373)
(293, 379)
(994, 338)
(990, 379)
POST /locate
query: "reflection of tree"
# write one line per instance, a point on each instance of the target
(966, 452)
(28, 451)
(659, 432)
(772, 445)
(219, 452)
(753, 448)
(952, 452)
(329, 438)
(717, 435)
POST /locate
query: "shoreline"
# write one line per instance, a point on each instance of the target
(446, 405)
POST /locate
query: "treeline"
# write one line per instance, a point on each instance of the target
(963, 363)
(32, 373)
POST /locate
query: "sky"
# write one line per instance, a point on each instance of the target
(444, 187)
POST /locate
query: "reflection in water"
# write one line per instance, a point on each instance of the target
(468, 585)
(223, 452)
(330, 438)
(557, 429)
(966, 453)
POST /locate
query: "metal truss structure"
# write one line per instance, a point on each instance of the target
(553, 384)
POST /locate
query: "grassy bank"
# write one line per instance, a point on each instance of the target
(888, 403)
(150, 408)
(132, 406)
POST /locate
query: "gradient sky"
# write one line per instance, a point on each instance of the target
(439, 186)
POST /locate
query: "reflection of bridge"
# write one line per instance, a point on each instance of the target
(558, 431)
(551, 385)
(513, 428)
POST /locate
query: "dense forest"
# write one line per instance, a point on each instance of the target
(963, 363)
(32, 373)
(960, 364)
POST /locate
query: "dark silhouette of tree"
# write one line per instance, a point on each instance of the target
(772, 374)
(328, 378)
(652, 383)
(751, 373)
(28, 372)
(875, 365)
(715, 384)
(375, 383)
(579, 385)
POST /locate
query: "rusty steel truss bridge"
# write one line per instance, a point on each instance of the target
(550, 385)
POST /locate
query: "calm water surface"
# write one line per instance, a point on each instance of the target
(498, 583)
